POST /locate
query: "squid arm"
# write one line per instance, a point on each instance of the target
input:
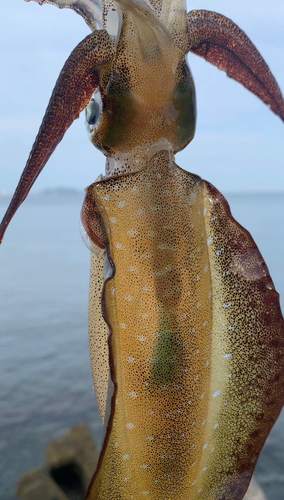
(89, 10)
(73, 90)
(222, 43)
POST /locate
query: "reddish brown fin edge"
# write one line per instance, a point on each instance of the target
(91, 220)
(238, 486)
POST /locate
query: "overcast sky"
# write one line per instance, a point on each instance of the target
(239, 143)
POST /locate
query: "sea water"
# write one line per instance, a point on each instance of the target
(46, 383)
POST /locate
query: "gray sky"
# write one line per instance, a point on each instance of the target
(239, 143)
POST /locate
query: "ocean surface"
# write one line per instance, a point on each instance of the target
(46, 384)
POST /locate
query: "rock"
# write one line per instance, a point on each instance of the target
(72, 460)
(254, 492)
(38, 485)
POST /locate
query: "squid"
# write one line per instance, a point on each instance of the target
(186, 332)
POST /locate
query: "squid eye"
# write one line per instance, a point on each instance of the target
(93, 111)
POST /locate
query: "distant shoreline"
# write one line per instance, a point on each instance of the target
(72, 192)
(47, 193)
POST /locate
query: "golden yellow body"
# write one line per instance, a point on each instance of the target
(189, 336)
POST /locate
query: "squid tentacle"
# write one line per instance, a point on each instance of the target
(222, 43)
(73, 90)
(90, 11)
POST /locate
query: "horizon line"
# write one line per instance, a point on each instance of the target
(64, 190)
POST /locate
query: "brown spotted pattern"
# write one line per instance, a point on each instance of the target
(186, 334)
(98, 330)
(75, 85)
(221, 42)
(196, 340)
(149, 95)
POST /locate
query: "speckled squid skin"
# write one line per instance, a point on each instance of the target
(149, 96)
(196, 340)
(186, 333)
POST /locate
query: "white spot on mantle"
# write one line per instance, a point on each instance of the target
(216, 394)
(121, 204)
(142, 338)
(133, 394)
(227, 305)
(128, 298)
(132, 232)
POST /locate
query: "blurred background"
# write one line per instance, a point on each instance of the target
(46, 383)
